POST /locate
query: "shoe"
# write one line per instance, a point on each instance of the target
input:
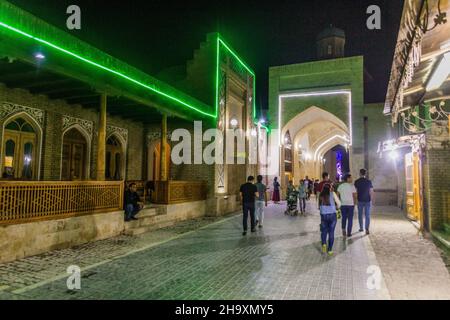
(367, 232)
(361, 230)
(253, 230)
(324, 248)
(260, 226)
(344, 234)
(330, 253)
(349, 235)
(126, 219)
(244, 233)
(256, 222)
(134, 218)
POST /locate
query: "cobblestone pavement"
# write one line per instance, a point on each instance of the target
(280, 261)
(412, 265)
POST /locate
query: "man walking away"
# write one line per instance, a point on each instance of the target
(365, 193)
(260, 201)
(347, 193)
(302, 196)
(248, 196)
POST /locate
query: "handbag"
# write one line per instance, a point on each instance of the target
(337, 203)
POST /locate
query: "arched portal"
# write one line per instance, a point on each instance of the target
(75, 155)
(313, 132)
(154, 161)
(115, 158)
(21, 148)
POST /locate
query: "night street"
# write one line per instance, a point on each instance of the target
(280, 261)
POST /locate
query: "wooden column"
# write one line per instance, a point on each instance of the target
(163, 154)
(101, 142)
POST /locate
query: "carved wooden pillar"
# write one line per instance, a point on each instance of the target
(163, 154)
(101, 143)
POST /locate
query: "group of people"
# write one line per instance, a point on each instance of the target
(333, 199)
(343, 198)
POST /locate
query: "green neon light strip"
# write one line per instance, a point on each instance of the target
(124, 76)
(221, 42)
(107, 69)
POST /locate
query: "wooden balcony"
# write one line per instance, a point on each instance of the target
(172, 191)
(26, 201)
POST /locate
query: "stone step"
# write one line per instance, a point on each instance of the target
(143, 229)
(148, 216)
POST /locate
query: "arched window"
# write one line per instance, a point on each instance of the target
(20, 150)
(74, 155)
(114, 159)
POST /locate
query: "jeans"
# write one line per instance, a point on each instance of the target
(249, 208)
(347, 218)
(366, 207)
(260, 211)
(327, 226)
(131, 211)
(302, 204)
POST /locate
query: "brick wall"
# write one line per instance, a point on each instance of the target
(52, 132)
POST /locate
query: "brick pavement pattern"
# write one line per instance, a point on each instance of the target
(214, 261)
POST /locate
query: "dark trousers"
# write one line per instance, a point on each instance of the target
(249, 208)
(327, 226)
(347, 218)
(131, 211)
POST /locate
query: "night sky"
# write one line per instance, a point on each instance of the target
(156, 34)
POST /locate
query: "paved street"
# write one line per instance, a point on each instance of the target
(214, 261)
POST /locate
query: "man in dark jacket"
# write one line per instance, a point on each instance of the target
(133, 203)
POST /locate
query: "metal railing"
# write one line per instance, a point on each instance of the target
(25, 201)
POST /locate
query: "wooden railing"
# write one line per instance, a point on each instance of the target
(22, 201)
(172, 191)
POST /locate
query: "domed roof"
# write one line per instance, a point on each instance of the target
(331, 32)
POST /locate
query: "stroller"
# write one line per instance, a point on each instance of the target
(291, 209)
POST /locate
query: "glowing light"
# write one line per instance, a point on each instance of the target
(393, 155)
(316, 153)
(253, 132)
(312, 94)
(440, 74)
(234, 122)
(39, 56)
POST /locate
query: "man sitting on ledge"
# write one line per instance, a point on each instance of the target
(133, 203)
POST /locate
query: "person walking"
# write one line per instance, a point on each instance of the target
(248, 196)
(347, 193)
(260, 201)
(276, 191)
(328, 204)
(365, 196)
(302, 197)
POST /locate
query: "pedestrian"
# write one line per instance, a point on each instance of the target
(249, 193)
(364, 189)
(325, 181)
(316, 187)
(307, 183)
(328, 205)
(302, 197)
(347, 193)
(133, 202)
(260, 201)
(276, 191)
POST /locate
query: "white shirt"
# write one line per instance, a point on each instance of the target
(346, 191)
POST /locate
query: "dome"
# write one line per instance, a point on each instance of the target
(331, 32)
